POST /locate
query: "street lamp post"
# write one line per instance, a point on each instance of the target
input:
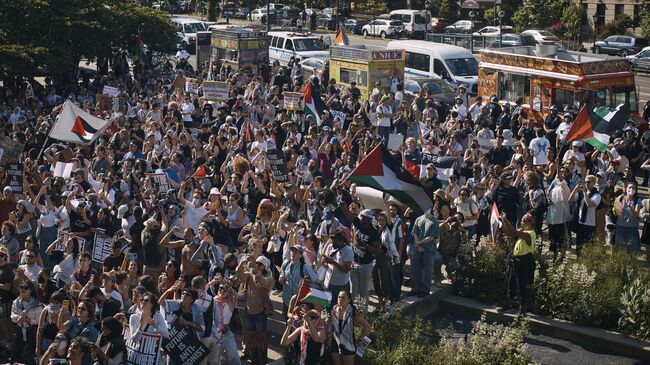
(268, 16)
(501, 15)
(472, 14)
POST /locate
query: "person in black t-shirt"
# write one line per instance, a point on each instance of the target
(80, 220)
(500, 155)
(366, 243)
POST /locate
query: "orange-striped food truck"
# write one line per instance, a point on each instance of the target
(545, 76)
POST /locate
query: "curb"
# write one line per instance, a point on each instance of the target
(423, 307)
(585, 336)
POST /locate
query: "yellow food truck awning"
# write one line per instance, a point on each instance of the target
(528, 71)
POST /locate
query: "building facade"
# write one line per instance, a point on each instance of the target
(600, 12)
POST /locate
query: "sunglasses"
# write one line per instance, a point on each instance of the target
(24, 288)
(3, 255)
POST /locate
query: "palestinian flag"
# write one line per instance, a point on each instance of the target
(76, 126)
(595, 127)
(444, 166)
(308, 294)
(380, 170)
(314, 105)
(139, 51)
(495, 222)
(341, 38)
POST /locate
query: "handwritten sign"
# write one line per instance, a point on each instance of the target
(184, 347)
(192, 86)
(215, 90)
(144, 351)
(64, 237)
(337, 115)
(293, 101)
(110, 90)
(278, 166)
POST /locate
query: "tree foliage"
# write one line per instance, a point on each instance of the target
(448, 9)
(620, 25)
(51, 36)
(572, 20)
(537, 14)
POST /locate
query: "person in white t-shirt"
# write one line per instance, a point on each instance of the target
(384, 114)
(539, 147)
(187, 109)
(575, 154)
(587, 200)
(564, 127)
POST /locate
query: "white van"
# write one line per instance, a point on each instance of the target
(186, 29)
(284, 45)
(416, 22)
(454, 64)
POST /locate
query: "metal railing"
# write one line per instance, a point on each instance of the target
(471, 42)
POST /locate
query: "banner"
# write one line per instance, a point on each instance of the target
(293, 101)
(486, 144)
(161, 180)
(278, 166)
(184, 347)
(15, 177)
(110, 90)
(10, 150)
(215, 90)
(62, 169)
(192, 85)
(144, 351)
(102, 248)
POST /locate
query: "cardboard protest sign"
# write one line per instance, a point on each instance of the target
(215, 90)
(10, 150)
(110, 90)
(184, 347)
(294, 101)
(15, 177)
(278, 166)
(192, 85)
(395, 141)
(102, 248)
(144, 351)
(161, 180)
(62, 169)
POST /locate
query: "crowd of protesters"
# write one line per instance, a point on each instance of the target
(205, 247)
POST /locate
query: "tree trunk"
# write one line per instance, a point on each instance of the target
(212, 10)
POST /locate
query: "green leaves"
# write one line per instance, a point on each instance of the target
(635, 309)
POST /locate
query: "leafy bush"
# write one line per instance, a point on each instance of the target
(402, 340)
(483, 271)
(620, 25)
(635, 311)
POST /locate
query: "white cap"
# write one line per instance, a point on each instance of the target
(215, 191)
(577, 143)
(264, 261)
(121, 211)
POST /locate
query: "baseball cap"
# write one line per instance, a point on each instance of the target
(366, 213)
(121, 211)
(297, 248)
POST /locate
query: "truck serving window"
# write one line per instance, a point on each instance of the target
(512, 86)
(348, 75)
(563, 98)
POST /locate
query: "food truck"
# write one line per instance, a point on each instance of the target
(243, 48)
(544, 75)
(367, 65)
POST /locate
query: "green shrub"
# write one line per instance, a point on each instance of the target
(620, 25)
(483, 271)
(635, 311)
(403, 340)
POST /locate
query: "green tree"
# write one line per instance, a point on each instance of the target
(538, 14)
(620, 25)
(448, 10)
(572, 20)
(51, 36)
(645, 26)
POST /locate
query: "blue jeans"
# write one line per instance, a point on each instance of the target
(422, 262)
(384, 132)
(395, 281)
(256, 322)
(627, 236)
(228, 348)
(47, 236)
(471, 232)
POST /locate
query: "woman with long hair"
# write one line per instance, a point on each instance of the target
(148, 320)
(22, 218)
(110, 349)
(307, 327)
(342, 321)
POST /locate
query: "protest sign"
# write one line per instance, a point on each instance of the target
(110, 90)
(10, 150)
(337, 115)
(102, 248)
(15, 177)
(144, 351)
(64, 237)
(161, 180)
(278, 165)
(395, 141)
(215, 90)
(62, 169)
(293, 101)
(192, 86)
(184, 347)
(486, 144)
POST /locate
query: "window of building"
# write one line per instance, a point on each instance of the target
(619, 9)
(636, 20)
(512, 86)
(600, 13)
(563, 98)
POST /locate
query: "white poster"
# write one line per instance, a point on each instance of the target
(110, 90)
(102, 248)
(192, 86)
(337, 115)
(62, 169)
(161, 179)
(395, 141)
(215, 90)
(371, 198)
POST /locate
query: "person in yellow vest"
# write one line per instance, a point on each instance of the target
(522, 268)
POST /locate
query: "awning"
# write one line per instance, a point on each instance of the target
(531, 72)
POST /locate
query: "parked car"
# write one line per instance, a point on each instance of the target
(512, 40)
(308, 65)
(439, 89)
(242, 13)
(328, 11)
(641, 60)
(492, 31)
(325, 21)
(541, 36)
(256, 15)
(621, 45)
(354, 26)
(186, 29)
(462, 26)
(383, 28)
